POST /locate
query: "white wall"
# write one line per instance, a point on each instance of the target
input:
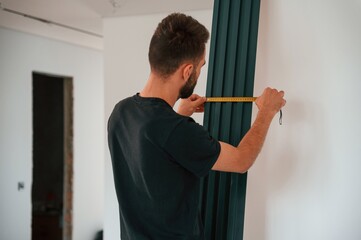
(307, 182)
(126, 72)
(20, 54)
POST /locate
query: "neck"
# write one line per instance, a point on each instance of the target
(163, 88)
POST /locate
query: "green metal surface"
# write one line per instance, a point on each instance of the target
(231, 73)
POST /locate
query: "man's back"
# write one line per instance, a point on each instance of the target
(158, 157)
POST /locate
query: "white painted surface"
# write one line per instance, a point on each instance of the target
(306, 183)
(20, 55)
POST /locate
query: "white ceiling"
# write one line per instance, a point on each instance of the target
(86, 15)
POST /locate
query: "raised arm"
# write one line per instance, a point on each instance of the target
(241, 158)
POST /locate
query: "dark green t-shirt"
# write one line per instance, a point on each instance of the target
(158, 158)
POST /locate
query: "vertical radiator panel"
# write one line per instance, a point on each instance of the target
(231, 73)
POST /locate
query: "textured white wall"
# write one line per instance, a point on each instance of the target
(126, 72)
(307, 182)
(20, 54)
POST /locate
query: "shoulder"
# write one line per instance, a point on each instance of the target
(118, 111)
(124, 103)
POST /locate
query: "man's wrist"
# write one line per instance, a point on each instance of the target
(266, 115)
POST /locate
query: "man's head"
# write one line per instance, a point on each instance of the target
(178, 39)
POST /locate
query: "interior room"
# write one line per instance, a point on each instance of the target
(305, 183)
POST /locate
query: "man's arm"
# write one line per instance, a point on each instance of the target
(241, 158)
(194, 103)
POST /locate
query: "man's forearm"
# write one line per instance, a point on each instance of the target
(251, 144)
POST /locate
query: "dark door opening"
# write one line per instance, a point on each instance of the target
(52, 157)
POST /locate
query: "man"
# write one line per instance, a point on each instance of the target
(159, 155)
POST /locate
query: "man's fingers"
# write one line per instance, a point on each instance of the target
(200, 101)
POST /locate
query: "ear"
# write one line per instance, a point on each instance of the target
(187, 71)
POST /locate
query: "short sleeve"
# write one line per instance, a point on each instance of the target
(190, 145)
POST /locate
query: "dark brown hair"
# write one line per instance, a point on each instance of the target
(178, 38)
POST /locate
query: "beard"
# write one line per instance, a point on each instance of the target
(187, 90)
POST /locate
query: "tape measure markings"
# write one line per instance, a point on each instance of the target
(231, 99)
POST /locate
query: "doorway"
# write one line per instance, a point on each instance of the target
(52, 157)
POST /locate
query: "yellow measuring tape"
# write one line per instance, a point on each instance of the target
(237, 99)
(231, 99)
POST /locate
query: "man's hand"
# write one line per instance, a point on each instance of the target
(194, 103)
(271, 101)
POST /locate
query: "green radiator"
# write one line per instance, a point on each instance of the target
(231, 73)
